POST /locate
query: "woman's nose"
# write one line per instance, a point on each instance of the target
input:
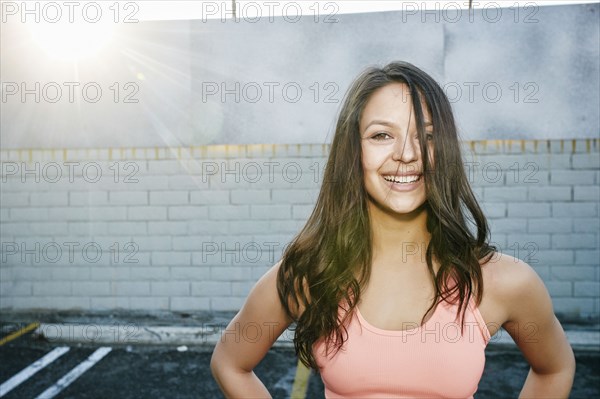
(405, 149)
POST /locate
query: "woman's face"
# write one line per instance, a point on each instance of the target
(390, 150)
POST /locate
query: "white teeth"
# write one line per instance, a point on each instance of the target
(402, 179)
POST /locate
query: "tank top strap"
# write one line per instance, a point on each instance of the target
(480, 322)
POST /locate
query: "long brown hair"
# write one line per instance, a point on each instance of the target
(335, 245)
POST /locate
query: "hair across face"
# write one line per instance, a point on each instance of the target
(395, 119)
(391, 151)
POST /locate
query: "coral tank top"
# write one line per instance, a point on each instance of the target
(428, 361)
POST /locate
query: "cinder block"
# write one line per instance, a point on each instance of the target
(188, 182)
(188, 212)
(15, 288)
(586, 193)
(193, 273)
(49, 199)
(128, 197)
(572, 241)
(146, 213)
(55, 228)
(528, 243)
(91, 288)
(550, 225)
(170, 288)
(7, 304)
(51, 288)
(247, 226)
(67, 303)
(146, 183)
(15, 229)
(587, 257)
(587, 289)
(145, 273)
(207, 227)
(149, 303)
(574, 209)
(91, 228)
(586, 225)
(189, 243)
(223, 180)
(559, 288)
(560, 161)
(285, 226)
(111, 273)
(571, 177)
(572, 273)
(255, 196)
(504, 194)
(231, 273)
(170, 258)
(550, 193)
(207, 197)
(301, 212)
(169, 197)
(128, 228)
(165, 167)
(226, 303)
(211, 288)
(154, 243)
(269, 212)
(556, 257)
(529, 210)
(6, 273)
(30, 273)
(75, 273)
(110, 303)
(508, 225)
(190, 303)
(294, 196)
(578, 307)
(27, 303)
(172, 228)
(229, 212)
(105, 213)
(30, 214)
(586, 161)
(13, 199)
(130, 288)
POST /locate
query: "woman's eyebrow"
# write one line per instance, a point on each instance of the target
(390, 124)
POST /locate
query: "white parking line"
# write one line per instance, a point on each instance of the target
(30, 370)
(75, 373)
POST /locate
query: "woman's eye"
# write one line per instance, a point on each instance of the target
(428, 137)
(380, 136)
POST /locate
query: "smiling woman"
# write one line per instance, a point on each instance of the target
(386, 270)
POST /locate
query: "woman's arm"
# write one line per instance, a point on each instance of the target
(248, 338)
(537, 332)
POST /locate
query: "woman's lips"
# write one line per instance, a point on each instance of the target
(403, 186)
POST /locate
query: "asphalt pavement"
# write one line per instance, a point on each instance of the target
(168, 356)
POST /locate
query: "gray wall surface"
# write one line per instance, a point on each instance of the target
(194, 228)
(532, 74)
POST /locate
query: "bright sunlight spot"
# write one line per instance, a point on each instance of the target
(71, 41)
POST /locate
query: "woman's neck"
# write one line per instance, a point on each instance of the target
(399, 237)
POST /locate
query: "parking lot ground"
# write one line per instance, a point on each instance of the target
(162, 371)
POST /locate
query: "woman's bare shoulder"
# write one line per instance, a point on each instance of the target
(507, 279)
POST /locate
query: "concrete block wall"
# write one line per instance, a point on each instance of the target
(193, 228)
